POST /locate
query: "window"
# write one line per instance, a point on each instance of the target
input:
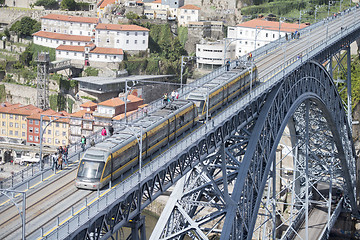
(98, 31)
(16, 117)
(49, 131)
(71, 43)
(49, 140)
(64, 133)
(143, 41)
(23, 134)
(80, 32)
(127, 33)
(57, 124)
(57, 141)
(3, 115)
(118, 41)
(185, 11)
(193, 11)
(16, 133)
(71, 24)
(11, 116)
(273, 35)
(11, 124)
(80, 24)
(64, 31)
(16, 125)
(36, 130)
(98, 56)
(98, 39)
(105, 56)
(63, 142)
(23, 125)
(75, 54)
(57, 133)
(31, 130)
(30, 138)
(88, 33)
(118, 33)
(127, 41)
(267, 35)
(59, 52)
(135, 33)
(135, 41)
(71, 31)
(114, 57)
(30, 121)
(64, 125)
(3, 124)
(78, 43)
(107, 32)
(107, 40)
(3, 131)
(64, 42)
(36, 138)
(67, 53)
(36, 122)
(143, 33)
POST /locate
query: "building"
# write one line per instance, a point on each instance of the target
(55, 125)
(211, 54)
(88, 106)
(65, 24)
(126, 37)
(105, 7)
(54, 40)
(257, 33)
(14, 120)
(188, 13)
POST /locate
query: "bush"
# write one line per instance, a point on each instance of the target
(26, 27)
(47, 4)
(90, 71)
(2, 93)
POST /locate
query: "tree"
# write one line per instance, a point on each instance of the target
(68, 4)
(25, 27)
(47, 4)
(7, 34)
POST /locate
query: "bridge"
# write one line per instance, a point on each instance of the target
(267, 166)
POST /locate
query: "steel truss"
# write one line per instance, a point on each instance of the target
(242, 190)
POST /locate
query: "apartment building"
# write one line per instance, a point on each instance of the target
(211, 55)
(65, 24)
(55, 126)
(13, 119)
(126, 37)
(81, 124)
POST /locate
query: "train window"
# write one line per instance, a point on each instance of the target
(90, 169)
(93, 156)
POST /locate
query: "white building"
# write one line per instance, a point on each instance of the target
(257, 33)
(127, 37)
(72, 25)
(188, 13)
(90, 54)
(53, 40)
(211, 55)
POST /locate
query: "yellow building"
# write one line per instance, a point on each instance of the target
(13, 119)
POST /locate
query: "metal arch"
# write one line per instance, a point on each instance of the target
(271, 123)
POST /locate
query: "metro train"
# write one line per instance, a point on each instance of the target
(119, 153)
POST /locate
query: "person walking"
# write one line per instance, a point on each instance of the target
(173, 94)
(176, 94)
(165, 98)
(60, 161)
(83, 142)
(227, 65)
(54, 161)
(92, 142)
(66, 149)
(111, 130)
(103, 133)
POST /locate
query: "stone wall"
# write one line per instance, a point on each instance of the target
(20, 94)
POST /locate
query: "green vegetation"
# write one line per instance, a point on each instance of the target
(70, 104)
(47, 4)
(71, 5)
(29, 56)
(291, 9)
(89, 98)
(183, 35)
(25, 27)
(2, 93)
(90, 71)
(57, 102)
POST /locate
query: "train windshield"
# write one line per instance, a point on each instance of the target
(90, 169)
(199, 105)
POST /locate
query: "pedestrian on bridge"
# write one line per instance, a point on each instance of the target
(103, 133)
(66, 151)
(54, 161)
(83, 142)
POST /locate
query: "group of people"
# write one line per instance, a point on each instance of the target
(60, 157)
(293, 35)
(174, 95)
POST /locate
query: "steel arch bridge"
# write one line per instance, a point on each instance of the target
(239, 190)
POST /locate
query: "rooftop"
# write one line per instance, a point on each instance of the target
(61, 36)
(71, 48)
(104, 3)
(271, 25)
(191, 7)
(88, 104)
(71, 18)
(120, 27)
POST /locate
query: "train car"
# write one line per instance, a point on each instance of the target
(216, 93)
(119, 153)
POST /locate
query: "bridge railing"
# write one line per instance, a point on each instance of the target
(268, 81)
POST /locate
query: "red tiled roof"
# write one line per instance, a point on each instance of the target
(51, 113)
(190, 6)
(102, 50)
(120, 27)
(88, 104)
(104, 3)
(71, 18)
(122, 115)
(271, 25)
(19, 109)
(114, 102)
(61, 36)
(79, 114)
(156, 1)
(71, 48)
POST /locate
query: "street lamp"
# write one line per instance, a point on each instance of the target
(43, 130)
(22, 213)
(126, 96)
